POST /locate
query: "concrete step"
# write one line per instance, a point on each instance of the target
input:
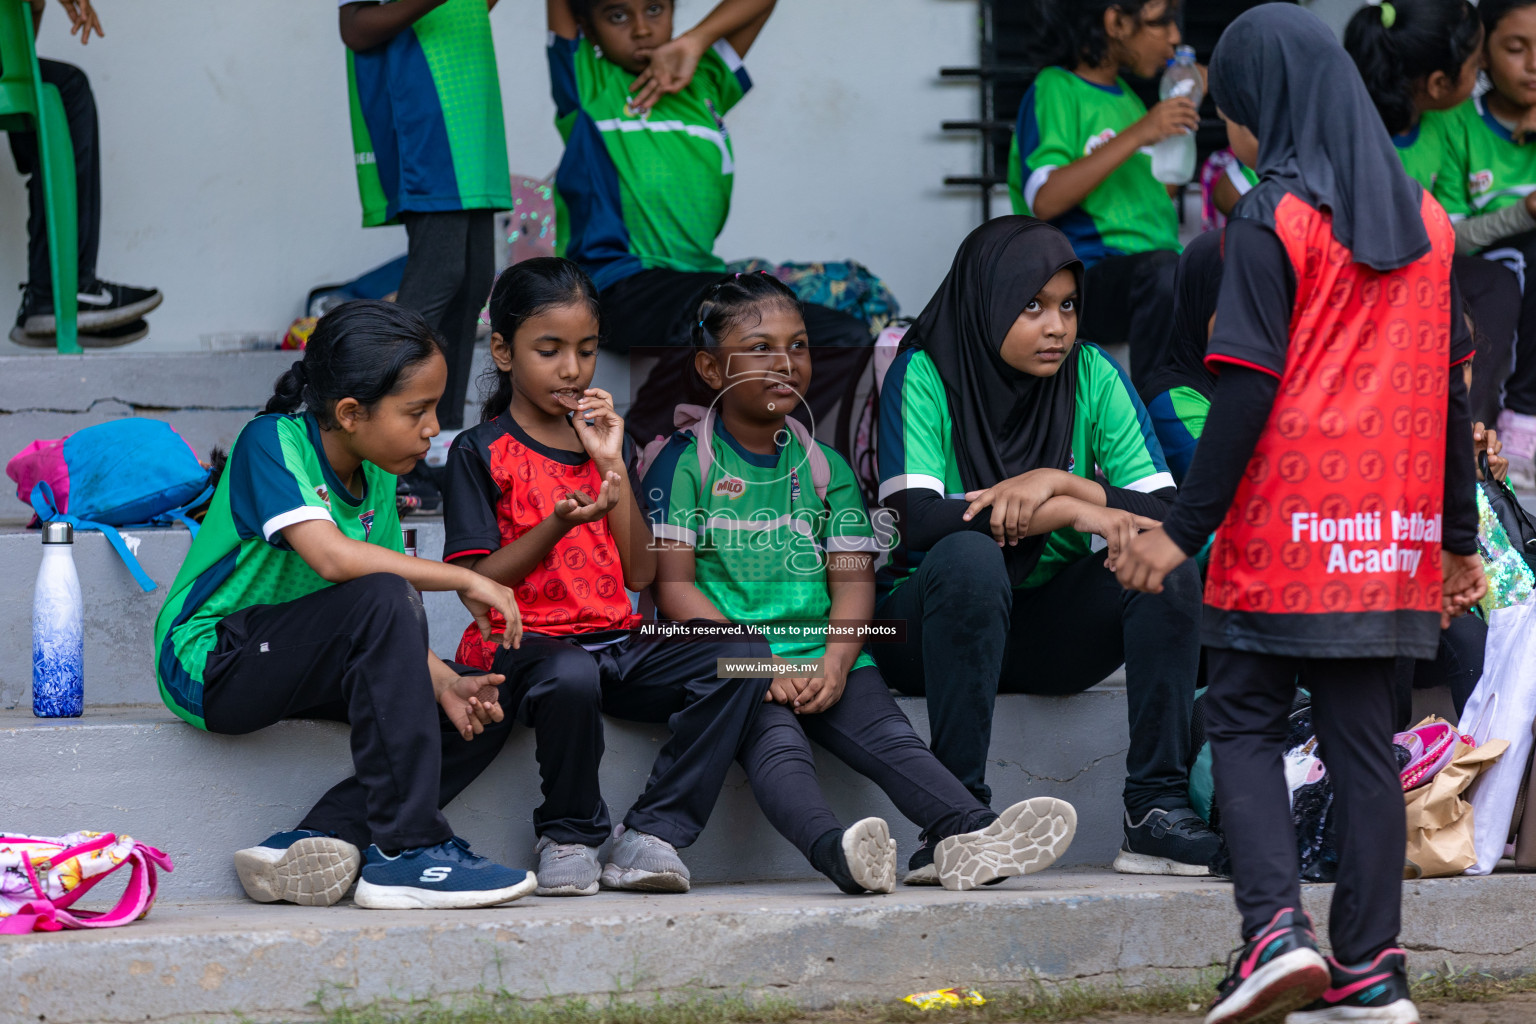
(200, 797)
(797, 941)
(120, 618)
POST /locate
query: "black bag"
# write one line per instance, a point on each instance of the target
(1517, 522)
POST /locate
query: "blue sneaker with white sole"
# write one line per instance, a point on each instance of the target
(447, 876)
(312, 869)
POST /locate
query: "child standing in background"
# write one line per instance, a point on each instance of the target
(1419, 61)
(759, 524)
(539, 498)
(1344, 495)
(297, 601)
(432, 155)
(1078, 162)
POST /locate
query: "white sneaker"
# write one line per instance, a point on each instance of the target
(303, 866)
(1029, 836)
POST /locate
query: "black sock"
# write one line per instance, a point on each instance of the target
(827, 857)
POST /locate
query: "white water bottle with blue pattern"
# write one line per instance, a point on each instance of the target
(58, 632)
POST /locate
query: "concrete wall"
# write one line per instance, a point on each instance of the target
(228, 175)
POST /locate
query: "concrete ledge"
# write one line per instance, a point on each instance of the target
(200, 797)
(800, 941)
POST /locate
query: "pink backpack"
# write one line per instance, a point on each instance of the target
(1430, 748)
(702, 422)
(41, 877)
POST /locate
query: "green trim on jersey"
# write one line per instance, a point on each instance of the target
(277, 475)
(1064, 118)
(761, 537)
(1111, 434)
(1484, 169)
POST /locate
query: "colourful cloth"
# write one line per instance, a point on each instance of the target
(761, 536)
(1064, 118)
(633, 191)
(277, 475)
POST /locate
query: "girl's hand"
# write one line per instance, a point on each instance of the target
(579, 509)
(821, 692)
(82, 19)
(1013, 503)
(784, 689)
(603, 437)
(1464, 586)
(1173, 116)
(482, 595)
(670, 70)
(470, 702)
(1147, 560)
(1485, 440)
(1117, 526)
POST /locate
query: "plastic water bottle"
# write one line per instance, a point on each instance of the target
(1173, 159)
(58, 635)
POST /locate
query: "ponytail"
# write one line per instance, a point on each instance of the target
(1399, 43)
(361, 349)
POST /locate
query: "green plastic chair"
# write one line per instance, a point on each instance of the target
(27, 103)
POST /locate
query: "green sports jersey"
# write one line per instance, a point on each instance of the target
(427, 127)
(277, 475)
(1423, 148)
(1064, 118)
(761, 535)
(1484, 168)
(640, 191)
(1112, 435)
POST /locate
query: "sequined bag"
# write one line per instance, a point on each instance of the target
(1517, 522)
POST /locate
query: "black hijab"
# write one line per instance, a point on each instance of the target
(1006, 421)
(1196, 285)
(1279, 72)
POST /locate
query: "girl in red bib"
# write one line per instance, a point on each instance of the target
(1342, 488)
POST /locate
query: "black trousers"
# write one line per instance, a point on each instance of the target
(355, 653)
(970, 635)
(449, 269)
(1518, 253)
(1128, 300)
(80, 109)
(561, 691)
(1246, 711)
(652, 313)
(1491, 293)
(868, 732)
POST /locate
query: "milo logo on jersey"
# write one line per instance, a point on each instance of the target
(1095, 141)
(1339, 512)
(1479, 182)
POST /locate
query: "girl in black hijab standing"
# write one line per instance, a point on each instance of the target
(1351, 535)
(1005, 447)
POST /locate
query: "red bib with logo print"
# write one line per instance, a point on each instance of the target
(1332, 545)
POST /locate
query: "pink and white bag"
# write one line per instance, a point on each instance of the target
(41, 877)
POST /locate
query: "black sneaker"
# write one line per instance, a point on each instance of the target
(920, 867)
(1176, 842)
(102, 305)
(418, 492)
(1376, 990)
(1277, 970)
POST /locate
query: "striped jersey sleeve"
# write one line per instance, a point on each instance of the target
(673, 491)
(846, 526)
(272, 484)
(916, 448)
(1120, 435)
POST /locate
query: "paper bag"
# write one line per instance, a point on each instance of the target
(1440, 818)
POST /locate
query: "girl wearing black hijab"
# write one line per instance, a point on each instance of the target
(1351, 536)
(1005, 447)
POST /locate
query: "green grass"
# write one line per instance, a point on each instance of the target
(1037, 1002)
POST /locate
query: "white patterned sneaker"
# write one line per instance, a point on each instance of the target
(871, 854)
(1025, 838)
(312, 869)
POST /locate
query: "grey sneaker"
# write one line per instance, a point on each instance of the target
(640, 862)
(566, 869)
(1025, 838)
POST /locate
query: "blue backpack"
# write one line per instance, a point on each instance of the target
(127, 472)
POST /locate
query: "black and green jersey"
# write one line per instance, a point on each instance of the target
(1484, 168)
(1112, 438)
(277, 475)
(1064, 118)
(761, 536)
